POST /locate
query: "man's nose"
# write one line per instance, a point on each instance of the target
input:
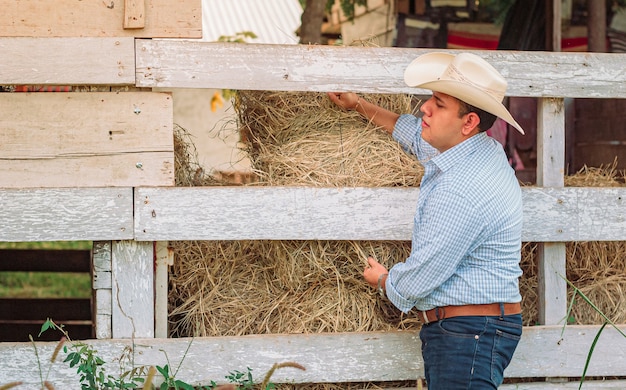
(424, 107)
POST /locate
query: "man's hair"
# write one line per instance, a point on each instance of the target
(487, 119)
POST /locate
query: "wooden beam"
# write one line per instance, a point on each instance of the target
(134, 14)
(132, 289)
(99, 139)
(301, 213)
(164, 259)
(550, 173)
(544, 351)
(102, 291)
(362, 69)
(66, 214)
(67, 61)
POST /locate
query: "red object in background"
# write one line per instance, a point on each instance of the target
(42, 88)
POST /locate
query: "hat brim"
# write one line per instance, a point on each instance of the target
(425, 71)
(474, 97)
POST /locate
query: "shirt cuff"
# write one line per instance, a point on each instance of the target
(394, 297)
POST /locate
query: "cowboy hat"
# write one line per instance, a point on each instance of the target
(464, 76)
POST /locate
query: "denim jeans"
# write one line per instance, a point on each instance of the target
(469, 352)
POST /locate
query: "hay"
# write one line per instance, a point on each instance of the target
(258, 287)
(187, 170)
(304, 139)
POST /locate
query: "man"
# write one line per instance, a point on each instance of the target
(463, 270)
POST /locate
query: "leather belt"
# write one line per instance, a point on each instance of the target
(490, 309)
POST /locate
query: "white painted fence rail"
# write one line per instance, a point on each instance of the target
(125, 221)
(328, 358)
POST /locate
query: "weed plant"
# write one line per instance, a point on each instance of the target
(92, 375)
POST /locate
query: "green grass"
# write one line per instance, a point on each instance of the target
(45, 284)
(47, 245)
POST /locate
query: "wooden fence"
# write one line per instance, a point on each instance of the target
(99, 166)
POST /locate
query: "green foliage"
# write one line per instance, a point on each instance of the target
(347, 6)
(242, 379)
(240, 37)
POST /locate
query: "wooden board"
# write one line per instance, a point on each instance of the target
(132, 289)
(330, 358)
(86, 139)
(300, 213)
(362, 69)
(101, 285)
(66, 214)
(67, 61)
(105, 18)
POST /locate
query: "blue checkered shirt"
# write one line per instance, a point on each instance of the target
(467, 230)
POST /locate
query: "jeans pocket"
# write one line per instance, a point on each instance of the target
(504, 345)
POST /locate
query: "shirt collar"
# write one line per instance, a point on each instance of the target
(457, 153)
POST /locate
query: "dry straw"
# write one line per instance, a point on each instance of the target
(303, 139)
(261, 287)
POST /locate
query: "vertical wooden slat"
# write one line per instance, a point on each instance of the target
(550, 173)
(101, 285)
(132, 288)
(134, 14)
(164, 258)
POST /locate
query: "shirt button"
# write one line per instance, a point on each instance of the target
(476, 337)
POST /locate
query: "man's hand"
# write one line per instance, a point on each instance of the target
(345, 100)
(373, 271)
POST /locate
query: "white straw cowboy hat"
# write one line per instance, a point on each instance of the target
(465, 76)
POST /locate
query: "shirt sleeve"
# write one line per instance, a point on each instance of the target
(445, 230)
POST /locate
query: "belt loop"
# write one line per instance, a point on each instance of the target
(501, 310)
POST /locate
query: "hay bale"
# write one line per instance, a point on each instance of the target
(260, 287)
(295, 138)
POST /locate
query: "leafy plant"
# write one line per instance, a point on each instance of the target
(90, 368)
(89, 365)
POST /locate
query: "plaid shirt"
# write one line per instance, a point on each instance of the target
(467, 230)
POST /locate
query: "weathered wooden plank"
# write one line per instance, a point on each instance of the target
(550, 173)
(134, 13)
(132, 281)
(164, 259)
(66, 214)
(234, 213)
(331, 358)
(362, 69)
(68, 18)
(101, 285)
(571, 385)
(67, 61)
(95, 139)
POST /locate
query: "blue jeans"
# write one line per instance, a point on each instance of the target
(469, 352)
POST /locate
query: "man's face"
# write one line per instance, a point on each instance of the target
(441, 125)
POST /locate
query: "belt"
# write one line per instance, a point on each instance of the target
(490, 309)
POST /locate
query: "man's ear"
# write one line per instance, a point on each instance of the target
(472, 122)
